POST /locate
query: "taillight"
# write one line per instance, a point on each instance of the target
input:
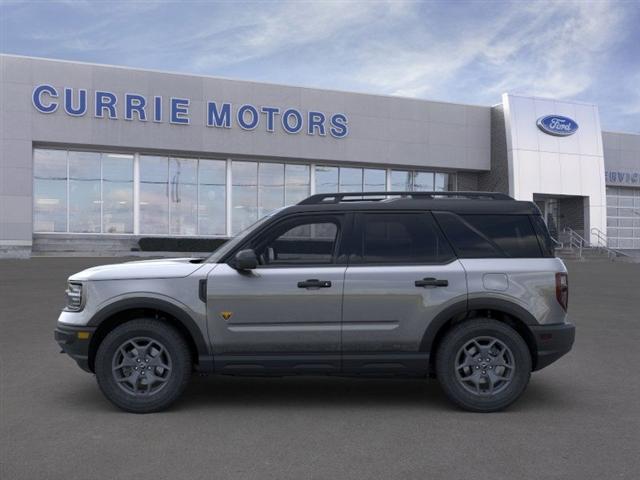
(562, 290)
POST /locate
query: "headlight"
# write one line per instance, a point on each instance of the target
(74, 297)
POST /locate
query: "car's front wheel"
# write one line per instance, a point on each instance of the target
(483, 365)
(143, 365)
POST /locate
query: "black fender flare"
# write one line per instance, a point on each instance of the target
(465, 306)
(205, 359)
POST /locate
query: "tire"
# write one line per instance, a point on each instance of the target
(483, 382)
(143, 365)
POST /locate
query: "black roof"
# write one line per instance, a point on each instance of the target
(457, 202)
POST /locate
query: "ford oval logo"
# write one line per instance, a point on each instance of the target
(557, 125)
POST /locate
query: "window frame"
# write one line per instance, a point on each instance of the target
(358, 231)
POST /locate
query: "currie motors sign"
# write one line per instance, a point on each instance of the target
(557, 125)
(132, 106)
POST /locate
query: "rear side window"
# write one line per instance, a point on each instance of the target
(490, 236)
(544, 237)
(399, 238)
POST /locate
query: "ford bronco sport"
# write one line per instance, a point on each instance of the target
(463, 286)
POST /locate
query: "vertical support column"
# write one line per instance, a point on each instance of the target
(388, 180)
(68, 182)
(312, 179)
(228, 198)
(136, 194)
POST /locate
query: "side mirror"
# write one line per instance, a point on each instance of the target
(245, 260)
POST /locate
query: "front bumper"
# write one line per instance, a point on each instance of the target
(552, 342)
(75, 342)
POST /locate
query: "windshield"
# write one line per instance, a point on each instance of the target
(229, 245)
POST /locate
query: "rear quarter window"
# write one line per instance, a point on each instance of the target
(490, 235)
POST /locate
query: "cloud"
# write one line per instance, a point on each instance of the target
(463, 51)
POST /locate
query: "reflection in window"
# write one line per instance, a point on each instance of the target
(270, 188)
(423, 182)
(401, 181)
(326, 179)
(50, 190)
(117, 193)
(154, 195)
(183, 193)
(296, 183)
(244, 195)
(212, 197)
(350, 180)
(85, 204)
(442, 182)
(374, 180)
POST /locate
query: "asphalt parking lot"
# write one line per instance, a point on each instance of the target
(579, 419)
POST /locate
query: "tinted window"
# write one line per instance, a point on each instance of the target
(487, 236)
(544, 238)
(309, 241)
(400, 238)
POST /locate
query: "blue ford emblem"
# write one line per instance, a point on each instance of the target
(557, 125)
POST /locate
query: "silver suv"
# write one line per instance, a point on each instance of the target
(462, 286)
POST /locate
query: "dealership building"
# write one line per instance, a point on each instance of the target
(96, 158)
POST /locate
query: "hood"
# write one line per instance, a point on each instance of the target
(163, 268)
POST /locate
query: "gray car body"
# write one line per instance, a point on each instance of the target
(371, 319)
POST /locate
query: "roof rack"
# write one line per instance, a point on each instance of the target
(321, 198)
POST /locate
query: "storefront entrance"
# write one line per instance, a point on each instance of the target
(561, 212)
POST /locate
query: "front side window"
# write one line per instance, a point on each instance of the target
(400, 238)
(301, 241)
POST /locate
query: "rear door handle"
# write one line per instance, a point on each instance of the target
(431, 282)
(314, 283)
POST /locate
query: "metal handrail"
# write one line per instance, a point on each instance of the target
(603, 244)
(578, 242)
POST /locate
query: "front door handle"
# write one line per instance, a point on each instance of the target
(431, 282)
(314, 283)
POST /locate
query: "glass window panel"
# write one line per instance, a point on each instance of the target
(117, 193)
(183, 193)
(423, 181)
(441, 183)
(296, 183)
(154, 194)
(350, 180)
(49, 190)
(244, 195)
(300, 242)
(400, 181)
(401, 238)
(270, 187)
(375, 180)
(84, 192)
(212, 175)
(326, 179)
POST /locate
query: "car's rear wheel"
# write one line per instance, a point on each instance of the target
(483, 365)
(143, 365)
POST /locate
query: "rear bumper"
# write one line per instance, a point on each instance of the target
(552, 342)
(74, 345)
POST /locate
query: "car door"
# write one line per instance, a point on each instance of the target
(286, 314)
(402, 273)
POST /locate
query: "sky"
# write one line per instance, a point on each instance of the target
(456, 51)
